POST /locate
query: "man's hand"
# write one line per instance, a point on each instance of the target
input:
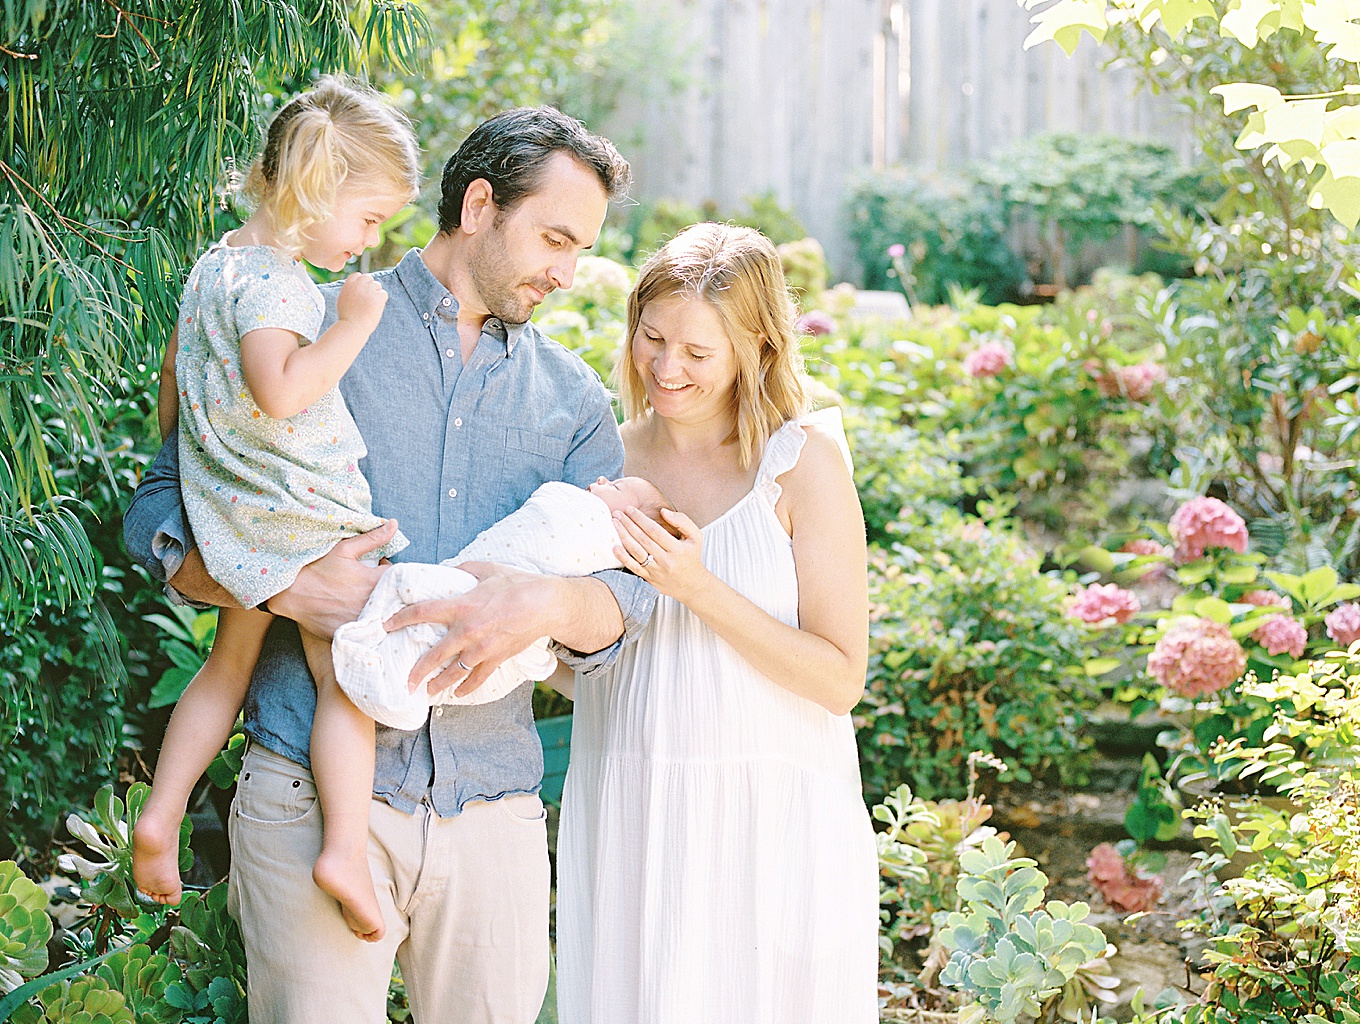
(506, 612)
(332, 590)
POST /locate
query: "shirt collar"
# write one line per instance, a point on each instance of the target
(431, 299)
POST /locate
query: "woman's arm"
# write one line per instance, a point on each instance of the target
(825, 658)
(286, 378)
(167, 393)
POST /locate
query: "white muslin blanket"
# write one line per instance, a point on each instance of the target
(562, 530)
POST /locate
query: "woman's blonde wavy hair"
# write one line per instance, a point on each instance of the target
(736, 271)
(336, 134)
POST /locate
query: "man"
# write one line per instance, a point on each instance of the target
(465, 408)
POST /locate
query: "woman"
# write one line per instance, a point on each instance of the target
(716, 859)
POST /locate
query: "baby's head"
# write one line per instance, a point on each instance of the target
(632, 491)
(333, 147)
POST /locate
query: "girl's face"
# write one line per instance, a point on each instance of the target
(685, 359)
(351, 228)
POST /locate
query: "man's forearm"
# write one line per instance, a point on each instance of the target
(589, 618)
(192, 580)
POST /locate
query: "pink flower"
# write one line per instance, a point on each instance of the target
(897, 250)
(1196, 657)
(987, 360)
(1143, 546)
(1343, 624)
(815, 322)
(1104, 604)
(1206, 523)
(1121, 888)
(1280, 634)
(1136, 383)
(1264, 599)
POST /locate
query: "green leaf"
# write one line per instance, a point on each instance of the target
(1100, 666)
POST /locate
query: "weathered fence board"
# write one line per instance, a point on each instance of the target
(791, 95)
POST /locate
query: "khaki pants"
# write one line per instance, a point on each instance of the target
(465, 900)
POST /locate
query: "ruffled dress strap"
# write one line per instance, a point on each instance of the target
(785, 446)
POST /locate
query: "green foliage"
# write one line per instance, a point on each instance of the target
(156, 104)
(1283, 944)
(109, 881)
(187, 638)
(652, 224)
(953, 234)
(804, 263)
(1055, 428)
(86, 1000)
(144, 978)
(482, 58)
(969, 649)
(1008, 956)
(1292, 129)
(1059, 191)
(1073, 189)
(24, 927)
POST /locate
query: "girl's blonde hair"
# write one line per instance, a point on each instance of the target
(737, 272)
(333, 135)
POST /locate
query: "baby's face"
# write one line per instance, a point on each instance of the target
(621, 493)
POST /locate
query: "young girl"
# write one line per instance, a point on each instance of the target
(269, 454)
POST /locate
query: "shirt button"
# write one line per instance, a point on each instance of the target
(445, 301)
(439, 712)
(458, 421)
(448, 352)
(453, 492)
(424, 316)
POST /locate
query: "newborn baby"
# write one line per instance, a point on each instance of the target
(561, 530)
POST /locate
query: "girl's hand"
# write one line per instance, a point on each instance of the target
(674, 565)
(360, 302)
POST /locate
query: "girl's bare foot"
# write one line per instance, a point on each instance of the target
(155, 856)
(349, 881)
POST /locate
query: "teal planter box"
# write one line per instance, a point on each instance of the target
(556, 736)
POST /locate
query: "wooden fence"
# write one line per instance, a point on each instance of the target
(793, 95)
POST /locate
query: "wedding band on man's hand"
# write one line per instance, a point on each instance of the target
(647, 561)
(465, 668)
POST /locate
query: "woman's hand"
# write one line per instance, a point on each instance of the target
(674, 565)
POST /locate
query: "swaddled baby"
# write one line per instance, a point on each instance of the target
(562, 530)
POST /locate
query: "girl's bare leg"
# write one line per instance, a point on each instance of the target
(199, 726)
(342, 764)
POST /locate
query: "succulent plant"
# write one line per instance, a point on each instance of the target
(24, 927)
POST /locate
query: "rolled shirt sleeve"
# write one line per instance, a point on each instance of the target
(598, 451)
(156, 531)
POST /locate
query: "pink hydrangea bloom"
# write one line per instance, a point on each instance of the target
(1122, 888)
(1196, 657)
(1135, 383)
(987, 360)
(815, 322)
(1343, 624)
(1265, 599)
(1206, 523)
(1104, 604)
(1280, 634)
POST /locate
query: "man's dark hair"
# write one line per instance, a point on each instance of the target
(511, 150)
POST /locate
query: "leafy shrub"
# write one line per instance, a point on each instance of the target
(953, 234)
(651, 225)
(74, 679)
(24, 927)
(1283, 945)
(970, 648)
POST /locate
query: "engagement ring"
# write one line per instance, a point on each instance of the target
(647, 561)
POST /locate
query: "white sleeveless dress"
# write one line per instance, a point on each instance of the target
(716, 862)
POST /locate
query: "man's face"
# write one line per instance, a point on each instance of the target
(517, 258)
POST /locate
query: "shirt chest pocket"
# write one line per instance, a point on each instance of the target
(531, 458)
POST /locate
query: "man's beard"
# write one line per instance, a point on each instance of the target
(497, 281)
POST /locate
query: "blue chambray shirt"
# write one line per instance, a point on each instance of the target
(451, 449)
